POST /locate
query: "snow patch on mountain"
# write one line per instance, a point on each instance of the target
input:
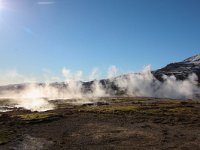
(193, 59)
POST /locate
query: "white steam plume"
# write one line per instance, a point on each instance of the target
(94, 74)
(36, 97)
(112, 72)
(145, 84)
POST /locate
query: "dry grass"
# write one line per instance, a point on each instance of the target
(36, 116)
(110, 108)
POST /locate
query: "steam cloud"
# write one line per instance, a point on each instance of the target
(37, 97)
(145, 84)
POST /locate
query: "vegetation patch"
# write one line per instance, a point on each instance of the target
(152, 111)
(169, 108)
(160, 107)
(36, 116)
(111, 108)
(182, 110)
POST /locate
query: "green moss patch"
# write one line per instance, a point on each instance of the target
(111, 108)
(152, 108)
(36, 116)
(181, 110)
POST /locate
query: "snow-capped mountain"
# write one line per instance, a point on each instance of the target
(181, 70)
(193, 59)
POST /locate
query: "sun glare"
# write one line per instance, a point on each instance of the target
(1, 4)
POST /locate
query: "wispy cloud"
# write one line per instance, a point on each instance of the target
(45, 2)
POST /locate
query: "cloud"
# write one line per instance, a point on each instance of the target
(46, 2)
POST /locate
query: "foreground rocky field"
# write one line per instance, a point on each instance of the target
(110, 123)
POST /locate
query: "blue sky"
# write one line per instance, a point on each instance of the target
(38, 35)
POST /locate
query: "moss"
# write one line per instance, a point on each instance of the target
(110, 109)
(152, 111)
(181, 110)
(36, 116)
(167, 106)
(4, 136)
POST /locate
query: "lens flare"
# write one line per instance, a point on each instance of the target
(1, 4)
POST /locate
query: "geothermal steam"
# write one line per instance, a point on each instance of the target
(36, 97)
(145, 84)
